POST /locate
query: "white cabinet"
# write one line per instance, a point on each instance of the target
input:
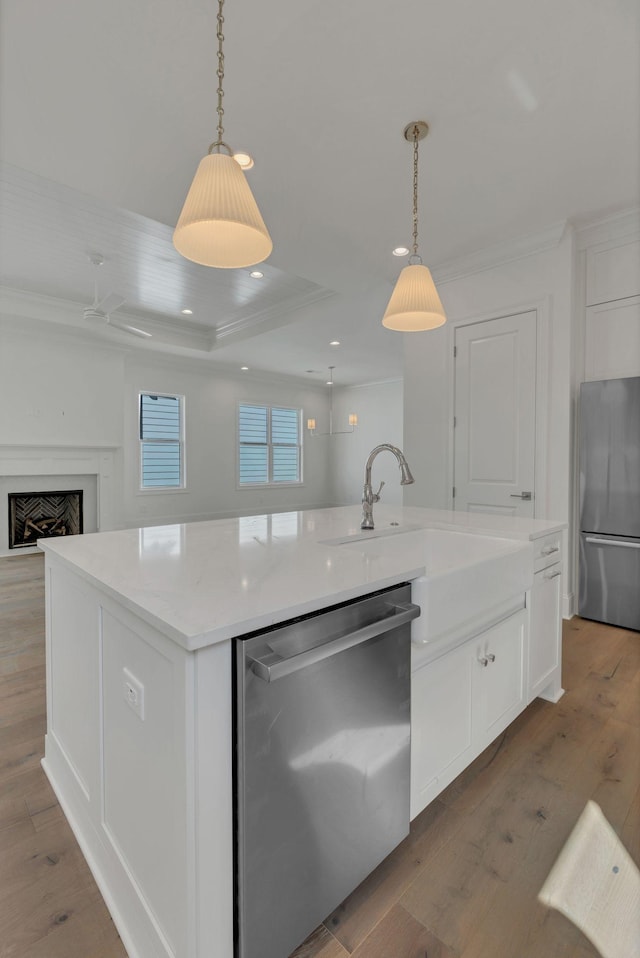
(498, 678)
(461, 701)
(545, 645)
(441, 723)
(612, 340)
(613, 270)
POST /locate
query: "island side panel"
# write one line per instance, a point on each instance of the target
(213, 790)
(155, 829)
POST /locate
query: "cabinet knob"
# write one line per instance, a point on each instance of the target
(486, 658)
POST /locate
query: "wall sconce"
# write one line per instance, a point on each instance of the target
(353, 419)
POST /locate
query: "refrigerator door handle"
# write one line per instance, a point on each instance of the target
(612, 542)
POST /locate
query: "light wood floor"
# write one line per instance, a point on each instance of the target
(462, 885)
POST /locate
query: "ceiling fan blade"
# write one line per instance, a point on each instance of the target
(130, 329)
(110, 303)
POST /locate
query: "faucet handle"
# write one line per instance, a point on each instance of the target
(376, 495)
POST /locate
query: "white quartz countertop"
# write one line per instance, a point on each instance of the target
(205, 582)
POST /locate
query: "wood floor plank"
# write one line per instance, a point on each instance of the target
(401, 936)
(35, 917)
(15, 821)
(40, 857)
(630, 832)
(354, 919)
(585, 651)
(22, 695)
(472, 786)
(84, 933)
(320, 944)
(619, 758)
(18, 757)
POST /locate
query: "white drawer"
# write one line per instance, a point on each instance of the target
(547, 551)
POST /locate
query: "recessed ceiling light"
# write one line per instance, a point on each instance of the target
(244, 368)
(256, 274)
(400, 251)
(187, 312)
(334, 342)
(244, 160)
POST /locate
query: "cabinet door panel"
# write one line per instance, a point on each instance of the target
(546, 624)
(441, 725)
(499, 685)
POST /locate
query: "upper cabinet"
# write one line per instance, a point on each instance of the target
(612, 339)
(609, 298)
(613, 271)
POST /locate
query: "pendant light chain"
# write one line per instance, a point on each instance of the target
(415, 194)
(219, 143)
(220, 73)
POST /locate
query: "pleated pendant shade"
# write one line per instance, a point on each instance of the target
(414, 304)
(220, 224)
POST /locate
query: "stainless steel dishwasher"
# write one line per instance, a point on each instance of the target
(322, 763)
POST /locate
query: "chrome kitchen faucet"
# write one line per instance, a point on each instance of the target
(368, 495)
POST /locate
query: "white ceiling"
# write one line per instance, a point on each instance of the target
(106, 109)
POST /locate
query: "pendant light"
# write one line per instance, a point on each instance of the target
(220, 224)
(414, 304)
(353, 419)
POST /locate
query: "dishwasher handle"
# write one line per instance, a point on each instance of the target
(402, 614)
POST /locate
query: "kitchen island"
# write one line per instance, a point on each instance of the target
(139, 678)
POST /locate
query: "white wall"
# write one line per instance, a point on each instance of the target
(379, 408)
(59, 388)
(211, 400)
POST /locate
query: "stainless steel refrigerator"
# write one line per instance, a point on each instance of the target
(610, 502)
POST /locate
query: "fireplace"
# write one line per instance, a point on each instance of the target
(42, 515)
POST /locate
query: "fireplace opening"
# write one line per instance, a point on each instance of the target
(43, 515)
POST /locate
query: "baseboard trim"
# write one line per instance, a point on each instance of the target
(568, 605)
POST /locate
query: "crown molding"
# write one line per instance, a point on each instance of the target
(20, 304)
(269, 318)
(496, 255)
(603, 229)
(18, 318)
(178, 333)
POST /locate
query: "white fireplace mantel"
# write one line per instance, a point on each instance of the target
(57, 460)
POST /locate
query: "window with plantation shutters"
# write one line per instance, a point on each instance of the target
(268, 445)
(161, 442)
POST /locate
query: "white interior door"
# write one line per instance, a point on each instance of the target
(495, 400)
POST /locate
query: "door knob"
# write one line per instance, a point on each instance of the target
(521, 495)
